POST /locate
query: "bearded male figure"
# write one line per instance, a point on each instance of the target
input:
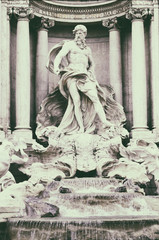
(78, 99)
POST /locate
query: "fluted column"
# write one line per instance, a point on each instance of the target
(23, 74)
(5, 72)
(115, 66)
(41, 59)
(155, 68)
(139, 85)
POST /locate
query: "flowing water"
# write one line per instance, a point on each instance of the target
(112, 228)
(92, 210)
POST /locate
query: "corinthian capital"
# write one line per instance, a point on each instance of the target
(23, 13)
(43, 23)
(137, 13)
(46, 23)
(111, 23)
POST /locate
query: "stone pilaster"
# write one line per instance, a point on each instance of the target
(115, 65)
(139, 85)
(5, 72)
(41, 59)
(23, 73)
(155, 68)
(1, 127)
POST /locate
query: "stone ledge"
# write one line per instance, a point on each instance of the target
(123, 218)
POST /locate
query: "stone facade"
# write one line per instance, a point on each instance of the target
(124, 37)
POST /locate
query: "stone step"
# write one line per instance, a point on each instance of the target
(87, 185)
(116, 227)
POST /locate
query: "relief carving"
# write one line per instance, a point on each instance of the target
(137, 13)
(23, 12)
(46, 23)
(43, 23)
(111, 23)
(72, 13)
(84, 13)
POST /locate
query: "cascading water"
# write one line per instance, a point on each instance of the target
(96, 208)
(111, 228)
(94, 214)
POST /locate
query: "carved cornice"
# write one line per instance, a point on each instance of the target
(137, 13)
(22, 13)
(81, 13)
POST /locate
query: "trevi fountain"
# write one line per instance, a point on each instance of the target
(84, 176)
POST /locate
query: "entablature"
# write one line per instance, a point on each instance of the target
(80, 13)
(73, 13)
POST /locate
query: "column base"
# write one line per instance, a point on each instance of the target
(26, 134)
(142, 133)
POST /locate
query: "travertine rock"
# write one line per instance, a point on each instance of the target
(37, 208)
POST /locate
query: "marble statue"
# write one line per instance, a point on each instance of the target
(78, 104)
(11, 151)
(6, 178)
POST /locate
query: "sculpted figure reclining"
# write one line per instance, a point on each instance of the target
(78, 99)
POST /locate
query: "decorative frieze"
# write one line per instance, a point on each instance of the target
(80, 13)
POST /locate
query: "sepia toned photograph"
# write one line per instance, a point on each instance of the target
(79, 120)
